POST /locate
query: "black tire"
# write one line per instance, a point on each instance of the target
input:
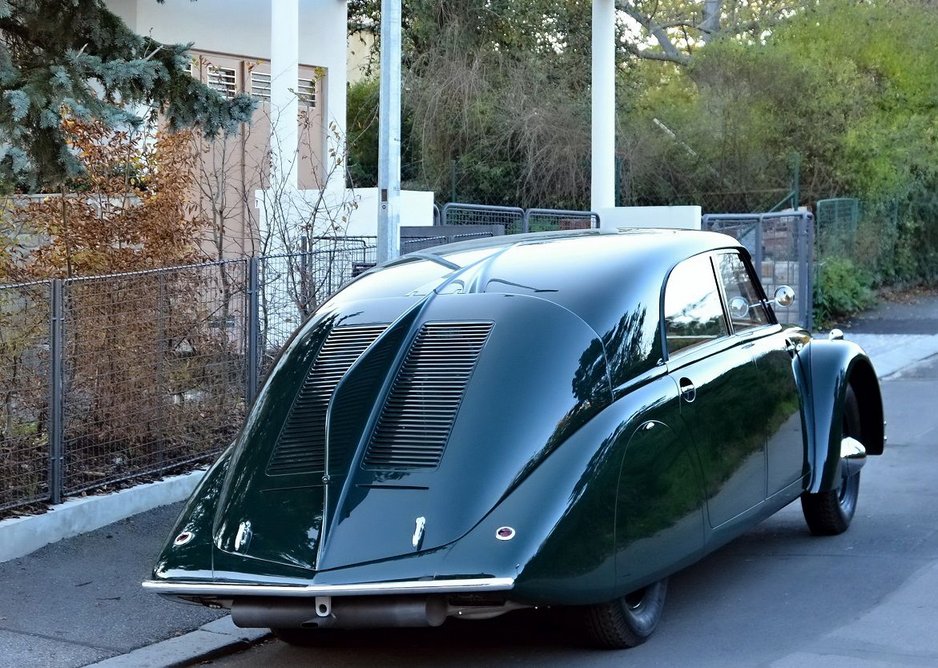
(627, 621)
(829, 513)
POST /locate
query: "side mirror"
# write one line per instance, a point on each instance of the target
(784, 296)
(739, 308)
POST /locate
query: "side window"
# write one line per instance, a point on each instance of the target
(693, 313)
(742, 298)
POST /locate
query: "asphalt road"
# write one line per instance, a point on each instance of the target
(80, 600)
(915, 313)
(776, 596)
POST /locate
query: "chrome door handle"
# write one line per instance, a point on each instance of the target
(688, 391)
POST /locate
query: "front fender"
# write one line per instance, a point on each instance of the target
(832, 366)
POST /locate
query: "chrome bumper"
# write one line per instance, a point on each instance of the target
(223, 590)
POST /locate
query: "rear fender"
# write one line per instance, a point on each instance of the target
(833, 366)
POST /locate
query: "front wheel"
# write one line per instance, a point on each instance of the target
(627, 621)
(829, 513)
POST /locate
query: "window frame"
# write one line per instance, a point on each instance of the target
(753, 280)
(663, 324)
(732, 338)
(226, 80)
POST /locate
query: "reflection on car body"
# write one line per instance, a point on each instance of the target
(548, 419)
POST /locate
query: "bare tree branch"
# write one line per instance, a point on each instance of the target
(669, 51)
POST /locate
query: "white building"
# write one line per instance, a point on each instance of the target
(292, 55)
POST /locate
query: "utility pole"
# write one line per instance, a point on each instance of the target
(602, 189)
(389, 133)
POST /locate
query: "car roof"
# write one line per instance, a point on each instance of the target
(596, 274)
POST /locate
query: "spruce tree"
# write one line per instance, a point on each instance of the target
(76, 57)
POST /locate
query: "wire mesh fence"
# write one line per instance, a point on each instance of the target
(293, 285)
(154, 370)
(837, 221)
(25, 312)
(514, 220)
(511, 218)
(549, 220)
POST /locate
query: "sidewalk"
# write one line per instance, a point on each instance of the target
(897, 334)
(79, 601)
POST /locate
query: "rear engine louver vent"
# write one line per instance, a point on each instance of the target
(301, 447)
(418, 416)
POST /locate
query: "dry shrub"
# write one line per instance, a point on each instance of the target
(132, 209)
(153, 361)
(155, 370)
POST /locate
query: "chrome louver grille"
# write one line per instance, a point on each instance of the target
(301, 447)
(418, 416)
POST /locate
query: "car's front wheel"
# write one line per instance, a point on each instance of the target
(627, 621)
(829, 513)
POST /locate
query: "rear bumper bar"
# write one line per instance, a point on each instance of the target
(224, 590)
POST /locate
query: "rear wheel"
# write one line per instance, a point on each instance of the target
(627, 621)
(829, 513)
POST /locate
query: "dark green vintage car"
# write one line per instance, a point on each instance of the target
(553, 419)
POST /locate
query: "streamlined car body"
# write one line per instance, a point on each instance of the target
(559, 419)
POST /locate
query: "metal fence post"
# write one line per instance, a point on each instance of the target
(158, 367)
(56, 394)
(526, 222)
(795, 180)
(252, 310)
(804, 265)
(810, 222)
(759, 254)
(305, 291)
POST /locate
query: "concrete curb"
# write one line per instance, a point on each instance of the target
(209, 641)
(21, 535)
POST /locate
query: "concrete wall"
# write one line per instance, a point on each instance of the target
(674, 217)
(236, 34)
(416, 211)
(242, 27)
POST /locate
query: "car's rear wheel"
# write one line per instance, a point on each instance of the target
(627, 621)
(830, 513)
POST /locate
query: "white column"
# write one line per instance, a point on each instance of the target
(602, 192)
(389, 133)
(336, 101)
(284, 105)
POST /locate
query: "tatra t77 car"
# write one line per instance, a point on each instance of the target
(560, 420)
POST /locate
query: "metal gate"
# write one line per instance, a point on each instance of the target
(782, 249)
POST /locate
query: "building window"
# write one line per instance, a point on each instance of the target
(305, 89)
(222, 79)
(260, 85)
(306, 92)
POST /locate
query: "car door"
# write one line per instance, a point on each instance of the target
(715, 374)
(773, 350)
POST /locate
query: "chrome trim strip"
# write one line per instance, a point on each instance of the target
(224, 590)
